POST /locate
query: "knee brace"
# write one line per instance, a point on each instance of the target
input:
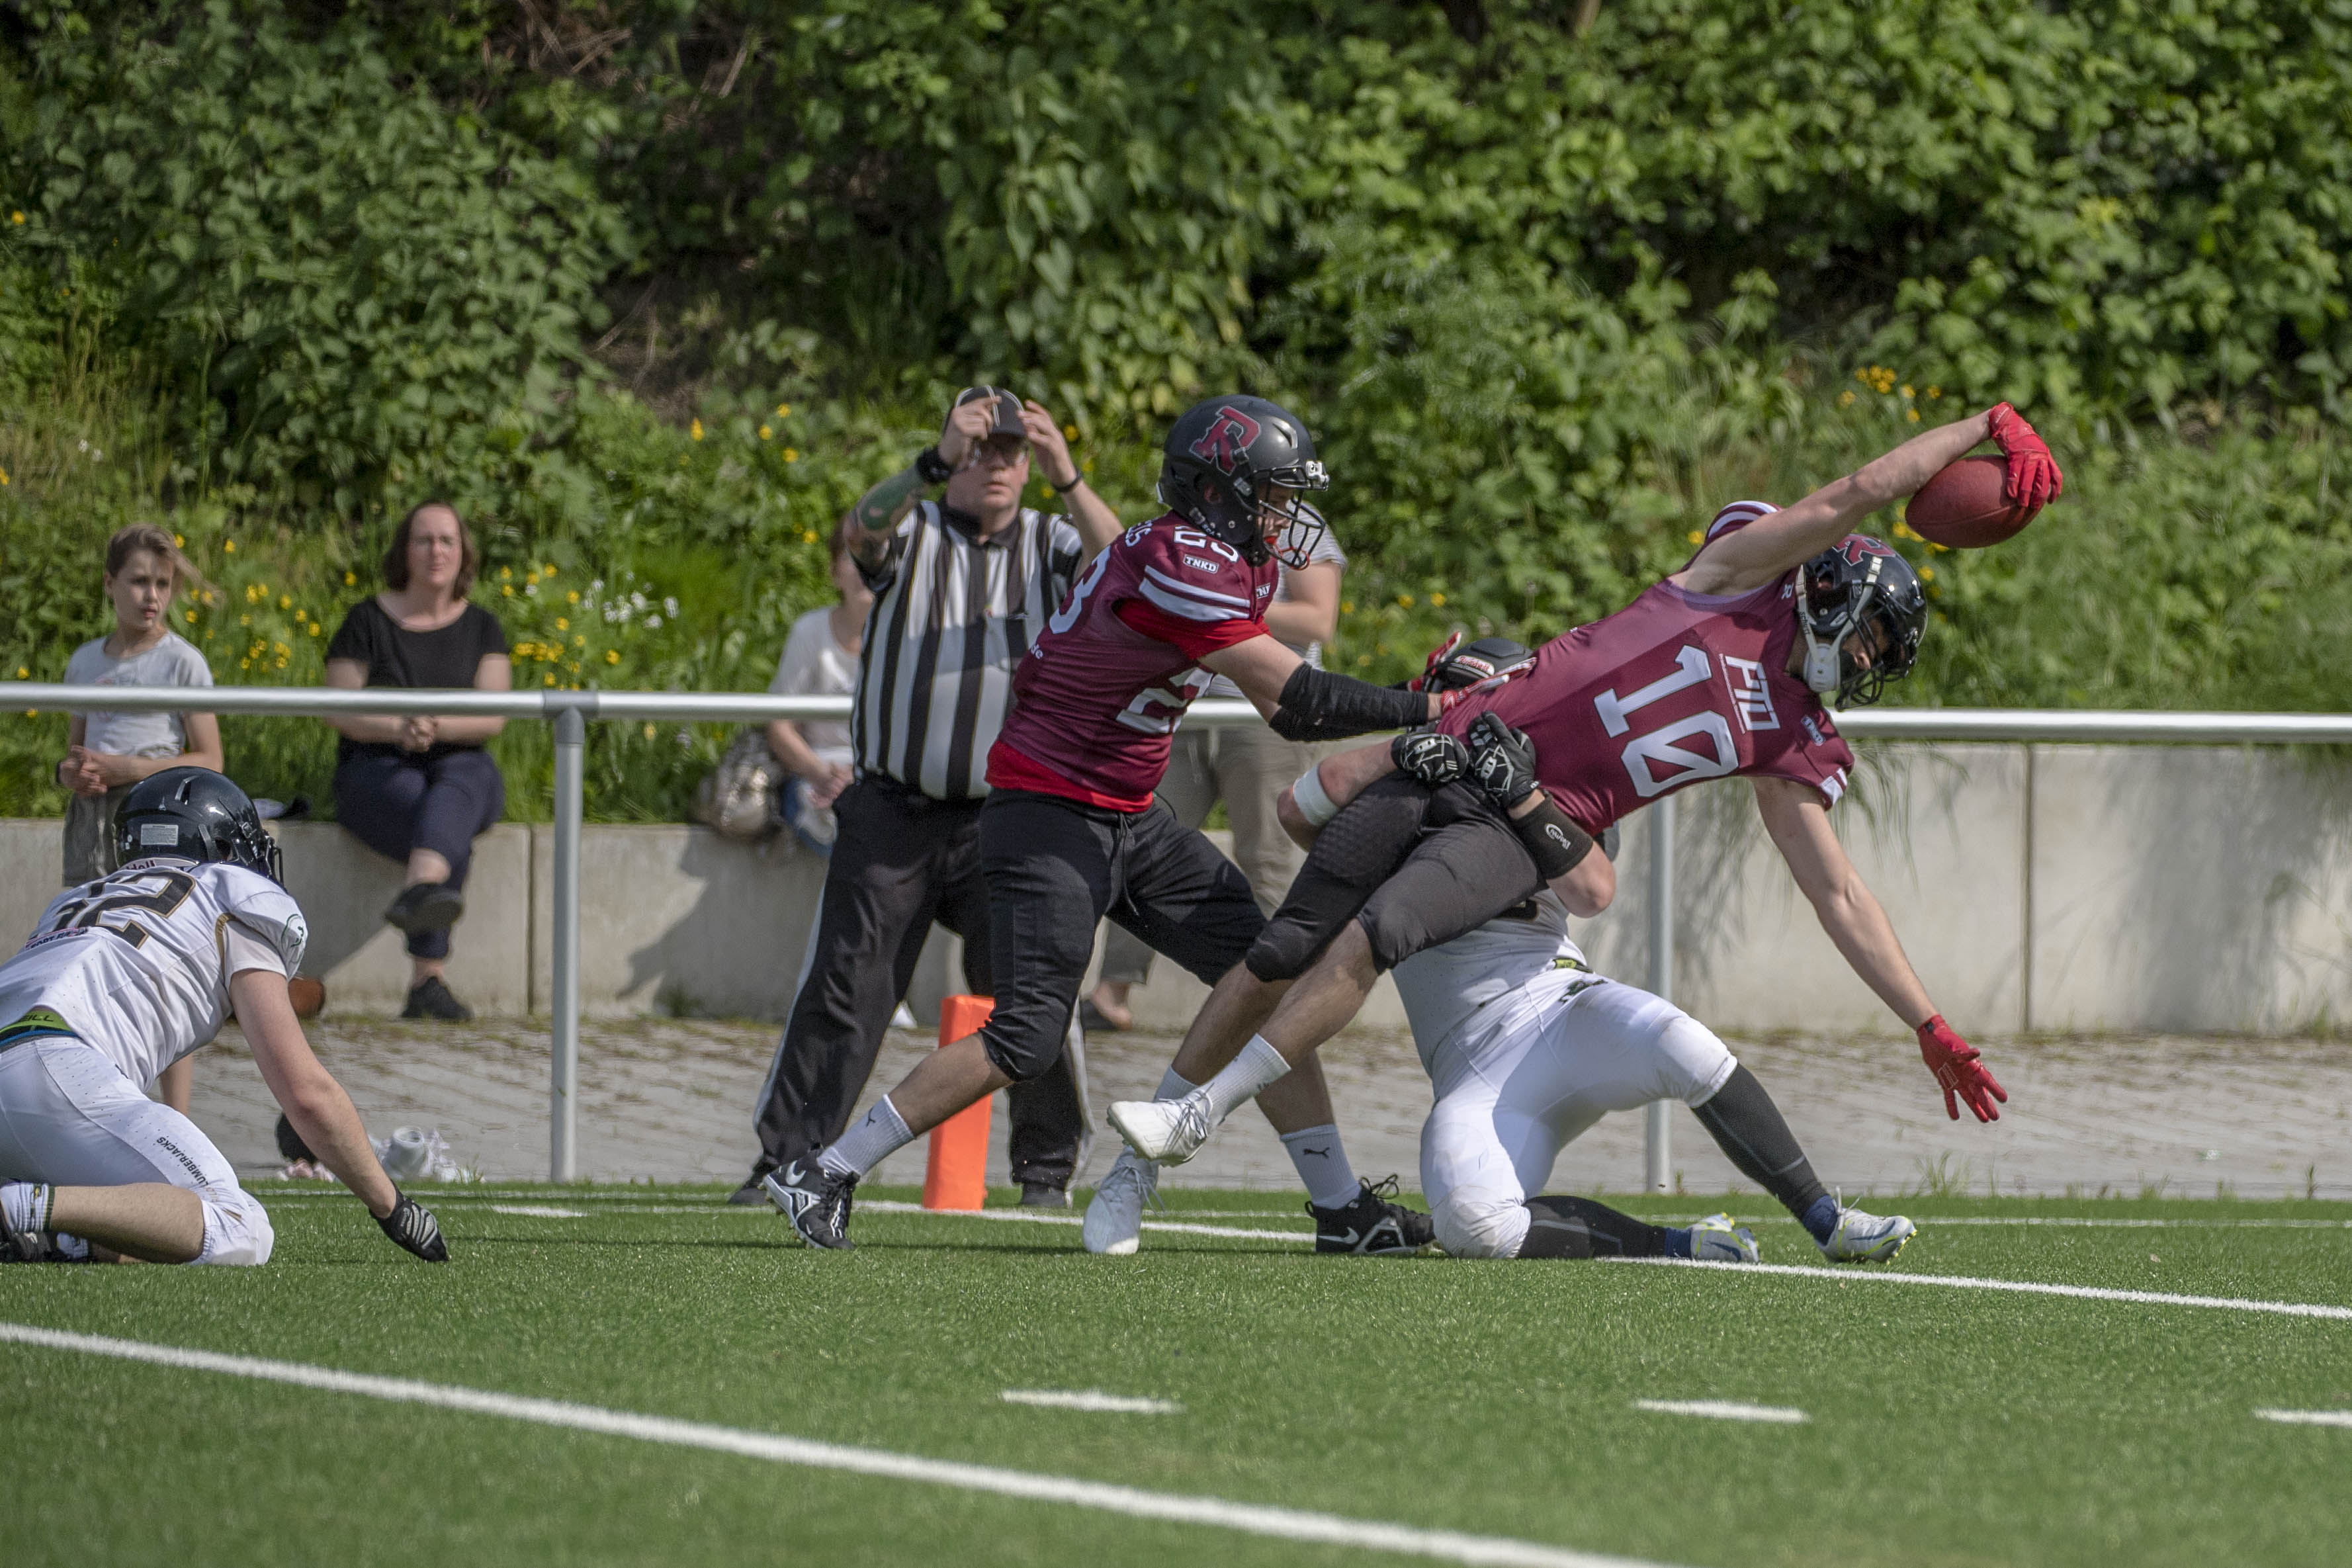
(1477, 1222)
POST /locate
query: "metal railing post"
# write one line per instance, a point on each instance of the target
(1658, 1153)
(564, 1059)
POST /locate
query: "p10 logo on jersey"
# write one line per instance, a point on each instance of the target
(1663, 748)
(1751, 696)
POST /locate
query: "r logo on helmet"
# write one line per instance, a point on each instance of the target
(1226, 439)
(1855, 546)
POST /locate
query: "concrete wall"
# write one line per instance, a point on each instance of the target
(2074, 888)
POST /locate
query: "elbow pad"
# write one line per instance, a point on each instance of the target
(1317, 705)
(1552, 841)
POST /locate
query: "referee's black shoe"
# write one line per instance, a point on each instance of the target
(1372, 1224)
(816, 1202)
(753, 1189)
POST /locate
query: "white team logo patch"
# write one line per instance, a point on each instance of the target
(1751, 698)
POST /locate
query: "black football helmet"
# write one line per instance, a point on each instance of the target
(197, 815)
(1858, 584)
(1221, 459)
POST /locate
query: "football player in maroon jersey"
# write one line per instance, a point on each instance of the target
(1719, 669)
(1071, 833)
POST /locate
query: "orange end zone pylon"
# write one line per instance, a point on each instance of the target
(957, 1176)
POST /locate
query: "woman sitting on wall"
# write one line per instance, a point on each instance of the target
(420, 789)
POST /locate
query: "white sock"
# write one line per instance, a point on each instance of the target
(1174, 1085)
(1321, 1162)
(25, 1205)
(879, 1135)
(1259, 1066)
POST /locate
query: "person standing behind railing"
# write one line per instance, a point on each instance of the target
(420, 789)
(105, 753)
(820, 659)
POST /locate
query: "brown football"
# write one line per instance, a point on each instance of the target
(1963, 507)
(308, 995)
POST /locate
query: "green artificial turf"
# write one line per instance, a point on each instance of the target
(1946, 1426)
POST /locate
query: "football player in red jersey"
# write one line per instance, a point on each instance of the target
(1719, 669)
(1071, 834)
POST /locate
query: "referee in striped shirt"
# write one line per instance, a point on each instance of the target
(962, 584)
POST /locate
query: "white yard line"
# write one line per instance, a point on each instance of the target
(539, 1211)
(1030, 1216)
(2022, 1287)
(1725, 1410)
(1249, 1518)
(1091, 1399)
(2308, 1418)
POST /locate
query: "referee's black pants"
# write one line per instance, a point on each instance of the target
(901, 861)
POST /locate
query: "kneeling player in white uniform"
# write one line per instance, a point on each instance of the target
(1527, 1047)
(122, 977)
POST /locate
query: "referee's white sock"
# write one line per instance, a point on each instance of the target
(879, 1135)
(1259, 1066)
(1321, 1162)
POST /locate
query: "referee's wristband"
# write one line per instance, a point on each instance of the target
(1313, 802)
(932, 469)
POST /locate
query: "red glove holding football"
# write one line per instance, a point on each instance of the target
(2034, 478)
(1960, 1068)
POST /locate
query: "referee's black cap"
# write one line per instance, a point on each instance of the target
(1008, 410)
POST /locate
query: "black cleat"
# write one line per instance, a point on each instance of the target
(1372, 1224)
(817, 1203)
(424, 906)
(430, 998)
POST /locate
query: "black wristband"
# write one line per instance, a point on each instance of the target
(932, 469)
(1317, 705)
(1552, 841)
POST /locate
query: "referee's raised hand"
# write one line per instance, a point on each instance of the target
(967, 424)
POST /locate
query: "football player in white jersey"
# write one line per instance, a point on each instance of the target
(1526, 1047)
(122, 977)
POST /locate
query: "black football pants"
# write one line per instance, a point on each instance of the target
(902, 861)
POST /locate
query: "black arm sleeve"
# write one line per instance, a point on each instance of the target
(1554, 842)
(1317, 705)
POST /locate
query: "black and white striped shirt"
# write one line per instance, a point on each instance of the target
(952, 614)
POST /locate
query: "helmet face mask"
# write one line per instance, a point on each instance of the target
(1239, 468)
(195, 814)
(1861, 612)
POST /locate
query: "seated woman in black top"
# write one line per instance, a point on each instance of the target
(420, 789)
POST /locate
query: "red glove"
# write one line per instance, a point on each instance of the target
(1960, 1068)
(2033, 476)
(1437, 655)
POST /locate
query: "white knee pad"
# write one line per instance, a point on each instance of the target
(1692, 1062)
(236, 1231)
(1480, 1222)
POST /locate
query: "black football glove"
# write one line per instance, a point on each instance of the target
(1429, 757)
(1503, 761)
(413, 1229)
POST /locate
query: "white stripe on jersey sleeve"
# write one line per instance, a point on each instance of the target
(1206, 595)
(1740, 512)
(1190, 609)
(1834, 787)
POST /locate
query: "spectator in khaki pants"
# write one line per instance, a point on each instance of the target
(1247, 766)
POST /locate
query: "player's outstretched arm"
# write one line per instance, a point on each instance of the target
(1799, 822)
(319, 1109)
(1759, 554)
(1304, 703)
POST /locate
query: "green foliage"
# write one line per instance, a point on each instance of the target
(356, 283)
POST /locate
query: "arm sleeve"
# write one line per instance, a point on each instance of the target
(1317, 705)
(242, 949)
(1195, 639)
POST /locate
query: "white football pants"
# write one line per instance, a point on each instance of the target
(70, 1118)
(1510, 1100)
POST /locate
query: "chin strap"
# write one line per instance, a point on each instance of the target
(1821, 657)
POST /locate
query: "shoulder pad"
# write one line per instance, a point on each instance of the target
(265, 909)
(1186, 572)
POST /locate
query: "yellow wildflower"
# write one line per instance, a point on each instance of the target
(562, 623)
(504, 573)
(1926, 574)
(16, 218)
(24, 672)
(1906, 390)
(1404, 601)
(351, 579)
(791, 456)
(649, 732)
(180, 541)
(695, 429)
(229, 546)
(1438, 600)
(765, 432)
(1845, 398)
(1935, 391)
(1069, 432)
(573, 597)
(611, 656)
(783, 411)
(508, 589)
(285, 601)
(808, 536)
(1912, 414)
(1697, 537)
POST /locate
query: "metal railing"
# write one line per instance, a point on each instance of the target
(570, 712)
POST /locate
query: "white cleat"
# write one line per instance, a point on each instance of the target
(1716, 1239)
(1165, 1131)
(1866, 1237)
(1114, 1224)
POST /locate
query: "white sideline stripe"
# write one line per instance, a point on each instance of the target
(2023, 1287)
(1091, 1399)
(539, 1211)
(1250, 1518)
(1725, 1410)
(2096, 1224)
(892, 1206)
(2308, 1418)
